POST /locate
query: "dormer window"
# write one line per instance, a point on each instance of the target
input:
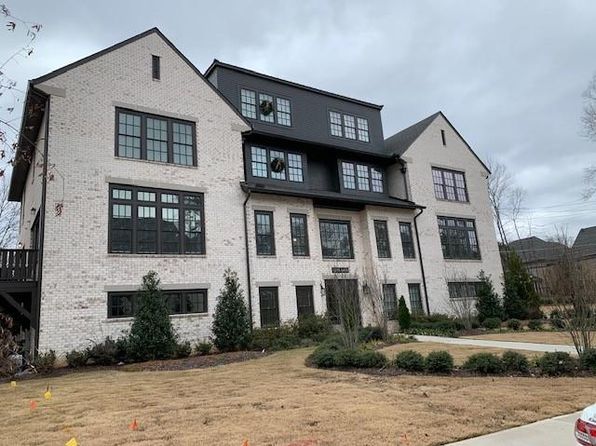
(270, 109)
(348, 126)
(362, 177)
(276, 164)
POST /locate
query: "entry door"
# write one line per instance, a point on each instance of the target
(343, 303)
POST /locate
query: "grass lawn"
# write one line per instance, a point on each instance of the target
(537, 337)
(276, 400)
(459, 352)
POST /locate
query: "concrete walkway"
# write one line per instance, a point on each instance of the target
(554, 431)
(508, 345)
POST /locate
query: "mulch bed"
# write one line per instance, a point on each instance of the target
(192, 362)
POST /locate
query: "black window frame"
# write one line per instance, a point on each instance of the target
(305, 293)
(274, 321)
(357, 179)
(416, 305)
(442, 189)
(274, 112)
(455, 238)
(269, 158)
(382, 239)
(407, 240)
(357, 128)
(463, 289)
(155, 67)
(349, 232)
(299, 240)
(271, 235)
(134, 202)
(390, 301)
(134, 298)
(143, 136)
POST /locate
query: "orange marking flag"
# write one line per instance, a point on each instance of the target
(32, 405)
(72, 442)
(245, 443)
(134, 426)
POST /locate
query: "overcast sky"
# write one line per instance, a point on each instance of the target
(508, 74)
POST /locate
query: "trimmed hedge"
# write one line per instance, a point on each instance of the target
(409, 360)
(326, 356)
(588, 360)
(515, 362)
(439, 362)
(556, 364)
(484, 364)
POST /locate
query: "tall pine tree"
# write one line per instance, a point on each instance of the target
(231, 323)
(488, 304)
(520, 300)
(151, 335)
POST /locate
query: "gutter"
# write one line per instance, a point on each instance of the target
(421, 262)
(247, 256)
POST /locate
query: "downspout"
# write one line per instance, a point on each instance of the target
(421, 262)
(42, 221)
(247, 258)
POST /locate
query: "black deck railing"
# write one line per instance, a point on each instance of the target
(18, 265)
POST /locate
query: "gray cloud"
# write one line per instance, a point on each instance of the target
(508, 74)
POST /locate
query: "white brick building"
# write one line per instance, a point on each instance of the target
(151, 166)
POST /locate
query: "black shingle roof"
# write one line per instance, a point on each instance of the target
(401, 141)
(534, 249)
(585, 242)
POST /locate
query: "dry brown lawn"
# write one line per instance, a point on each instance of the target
(459, 352)
(276, 400)
(537, 337)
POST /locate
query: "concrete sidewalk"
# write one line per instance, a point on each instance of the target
(554, 431)
(508, 345)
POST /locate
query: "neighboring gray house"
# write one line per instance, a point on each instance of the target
(584, 247)
(153, 166)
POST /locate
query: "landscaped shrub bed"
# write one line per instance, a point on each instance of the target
(329, 355)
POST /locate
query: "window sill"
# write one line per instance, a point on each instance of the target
(463, 260)
(112, 320)
(452, 201)
(267, 256)
(158, 163)
(301, 257)
(384, 259)
(411, 260)
(152, 256)
(338, 260)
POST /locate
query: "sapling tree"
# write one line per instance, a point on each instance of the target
(403, 314)
(488, 304)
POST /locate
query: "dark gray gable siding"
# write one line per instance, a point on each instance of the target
(310, 110)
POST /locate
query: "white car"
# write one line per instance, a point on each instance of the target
(585, 427)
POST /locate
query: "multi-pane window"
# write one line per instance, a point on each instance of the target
(449, 185)
(376, 179)
(305, 301)
(264, 233)
(363, 129)
(382, 236)
(269, 306)
(299, 233)
(335, 123)
(362, 177)
(407, 240)
(284, 116)
(415, 298)
(155, 138)
(270, 109)
(266, 108)
(348, 126)
(362, 173)
(276, 164)
(463, 290)
(336, 239)
(259, 163)
(126, 304)
(458, 238)
(349, 175)
(152, 221)
(248, 103)
(389, 301)
(295, 171)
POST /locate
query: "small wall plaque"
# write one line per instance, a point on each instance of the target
(340, 269)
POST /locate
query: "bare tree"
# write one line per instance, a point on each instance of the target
(499, 186)
(344, 307)
(588, 118)
(463, 307)
(589, 182)
(9, 217)
(373, 298)
(572, 285)
(516, 201)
